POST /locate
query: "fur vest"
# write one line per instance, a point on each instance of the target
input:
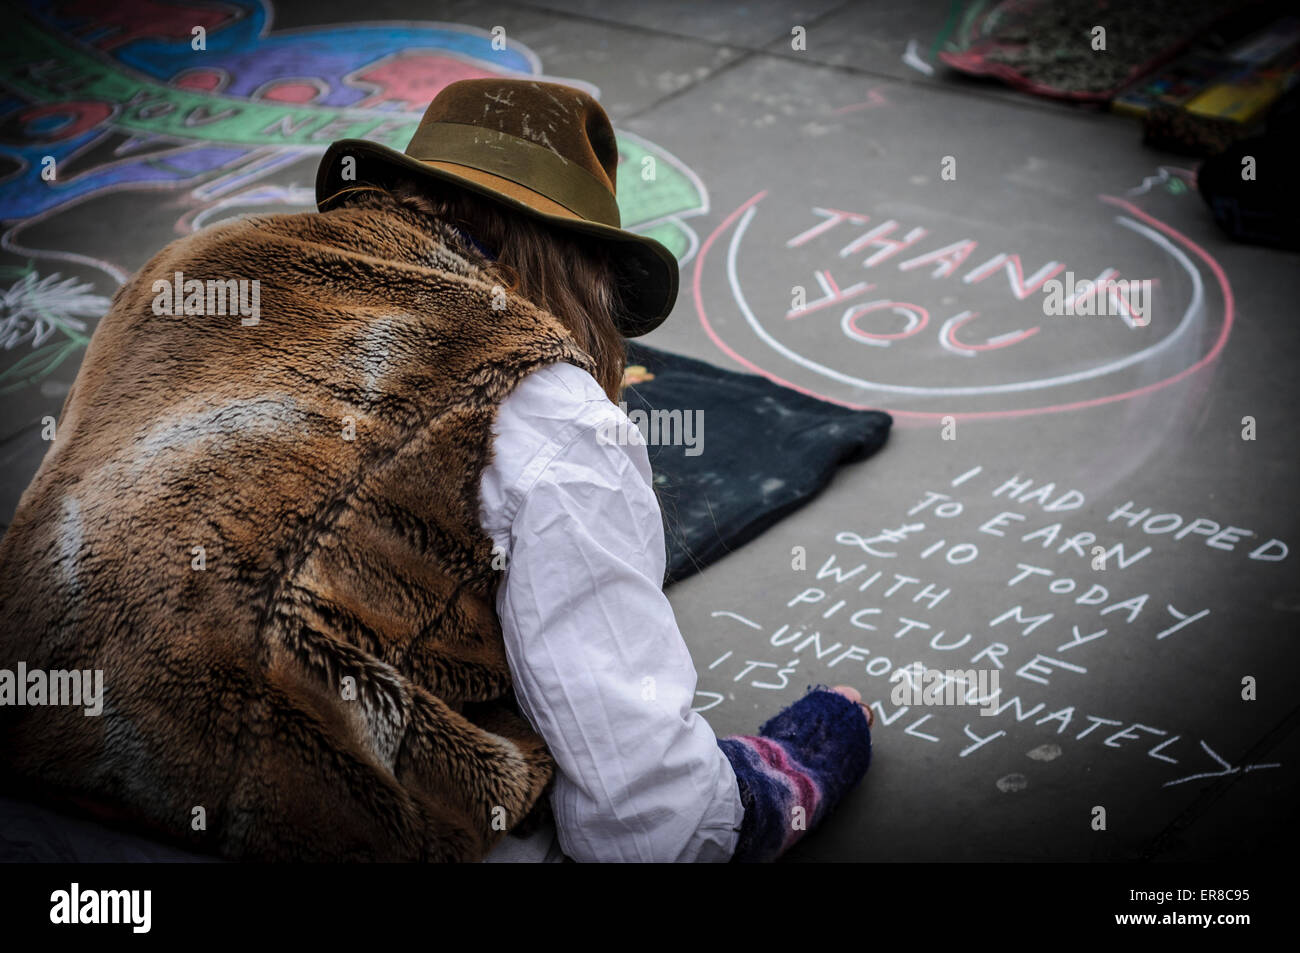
(264, 531)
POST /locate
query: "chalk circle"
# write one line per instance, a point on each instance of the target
(1140, 222)
(1012, 783)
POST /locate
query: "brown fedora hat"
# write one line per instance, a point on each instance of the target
(542, 149)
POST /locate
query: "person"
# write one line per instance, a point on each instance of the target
(365, 572)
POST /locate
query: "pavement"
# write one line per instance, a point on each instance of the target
(1137, 617)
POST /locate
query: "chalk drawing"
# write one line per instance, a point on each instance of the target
(874, 98)
(1224, 768)
(50, 316)
(1175, 344)
(948, 336)
(913, 59)
(1175, 180)
(1193, 312)
(114, 96)
(869, 615)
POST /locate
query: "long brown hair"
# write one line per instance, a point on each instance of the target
(569, 276)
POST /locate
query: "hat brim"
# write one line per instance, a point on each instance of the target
(647, 271)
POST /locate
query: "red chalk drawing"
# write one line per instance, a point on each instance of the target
(874, 98)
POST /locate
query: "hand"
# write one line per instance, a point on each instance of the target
(853, 695)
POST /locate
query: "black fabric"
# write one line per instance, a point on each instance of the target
(767, 450)
(1264, 210)
(32, 834)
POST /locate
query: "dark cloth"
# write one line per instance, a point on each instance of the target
(32, 834)
(767, 450)
(1265, 209)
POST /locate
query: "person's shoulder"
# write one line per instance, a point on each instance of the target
(559, 424)
(238, 227)
(564, 386)
(560, 405)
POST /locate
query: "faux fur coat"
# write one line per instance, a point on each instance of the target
(266, 535)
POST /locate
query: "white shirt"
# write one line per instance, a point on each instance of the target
(599, 665)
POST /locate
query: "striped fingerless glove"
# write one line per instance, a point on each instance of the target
(796, 769)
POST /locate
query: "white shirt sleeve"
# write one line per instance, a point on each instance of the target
(599, 665)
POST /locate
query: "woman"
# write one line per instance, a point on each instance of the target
(409, 525)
